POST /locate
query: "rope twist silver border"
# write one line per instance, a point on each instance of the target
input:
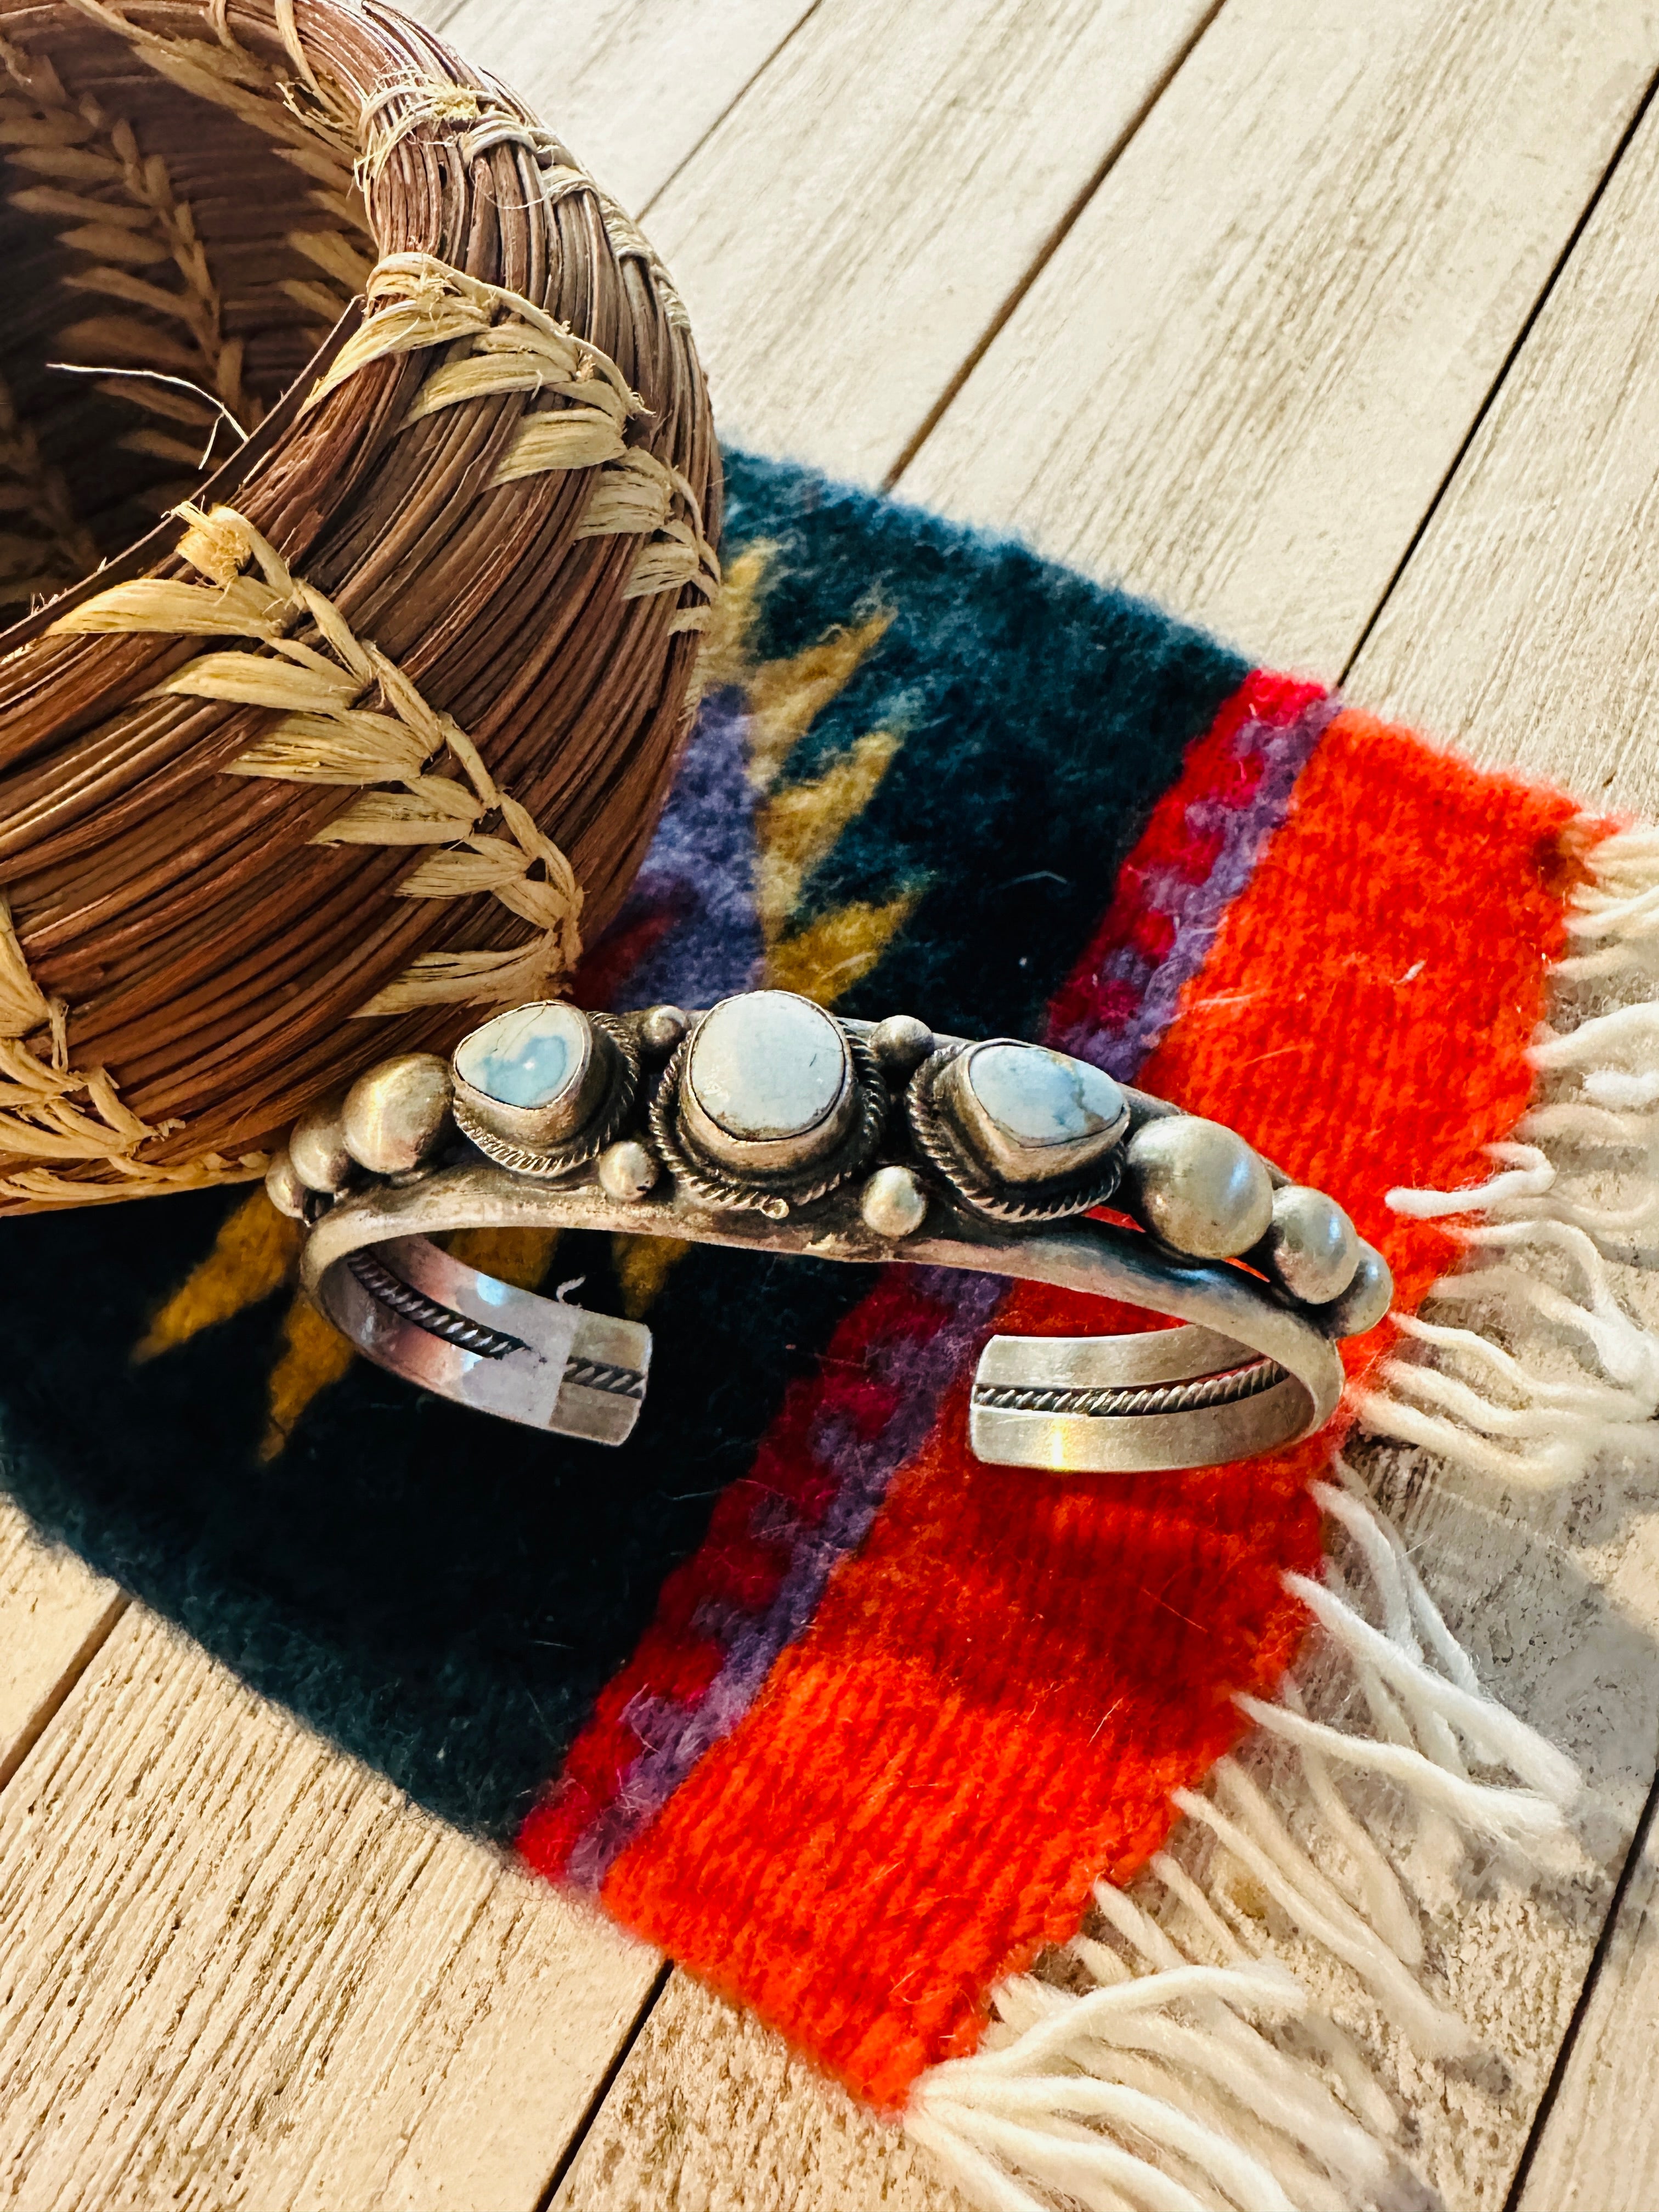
(1250, 1366)
(1222, 1389)
(782, 1193)
(952, 1161)
(555, 1160)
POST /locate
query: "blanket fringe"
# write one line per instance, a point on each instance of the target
(1177, 2069)
(1161, 2060)
(1559, 1375)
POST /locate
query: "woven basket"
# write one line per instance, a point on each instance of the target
(375, 723)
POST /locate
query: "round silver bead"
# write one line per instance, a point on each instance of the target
(1311, 1249)
(901, 1044)
(661, 1029)
(893, 1202)
(396, 1113)
(626, 1170)
(1199, 1186)
(1366, 1299)
(317, 1147)
(283, 1186)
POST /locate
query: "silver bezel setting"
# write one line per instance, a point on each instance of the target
(1007, 1159)
(544, 1128)
(779, 1192)
(611, 1093)
(788, 1151)
(953, 1160)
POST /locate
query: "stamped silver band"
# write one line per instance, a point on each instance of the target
(1235, 1320)
(768, 1125)
(409, 1307)
(1176, 1397)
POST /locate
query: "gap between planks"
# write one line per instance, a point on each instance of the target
(1619, 1983)
(54, 1616)
(1483, 300)
(642, 161)
(1239, 384)
(1542, 561)
(721, 130)
(635, 89)
(242, 1972)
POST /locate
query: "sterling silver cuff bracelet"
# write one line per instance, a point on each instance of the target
(768, 1122)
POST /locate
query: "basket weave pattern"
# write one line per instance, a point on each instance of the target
(374, 729)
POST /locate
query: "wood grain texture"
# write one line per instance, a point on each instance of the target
(1238, 383)
(1600, 2151)
(240, 1971)
(632, 86)
(1526, 627)
(54, 1613)
(711, 2113)
(1524, 630)
(848, 235)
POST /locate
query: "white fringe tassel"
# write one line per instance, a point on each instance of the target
(1171, 2068)
(1576, 1379)
(1190, 2075)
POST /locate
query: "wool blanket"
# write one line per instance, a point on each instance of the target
(859, 1730)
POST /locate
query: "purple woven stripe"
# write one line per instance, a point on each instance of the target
(700, 868)
(677, 1734)
(1153, 989)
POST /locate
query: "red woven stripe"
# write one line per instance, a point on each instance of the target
(1093, 998)
(678, 1657)
(1220, 772)
(1000, 1690)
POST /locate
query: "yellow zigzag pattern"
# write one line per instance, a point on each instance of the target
(796, 827)
(251, 1256)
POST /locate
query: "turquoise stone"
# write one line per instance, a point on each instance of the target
(529, 1057)
(1038, 1097)
(767, 1065)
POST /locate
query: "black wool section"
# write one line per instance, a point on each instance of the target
(442, 1593)
(1043, 716)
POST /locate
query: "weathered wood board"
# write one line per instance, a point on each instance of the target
(1239, 383)
(1599, 2150)
(240, 1972)
(54, 1613)
(632, 86)
(711, 2110)
(853, 227)
(1525, 631)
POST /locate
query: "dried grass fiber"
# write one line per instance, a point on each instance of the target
(384, 731)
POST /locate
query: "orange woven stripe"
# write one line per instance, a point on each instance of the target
(999, 1692)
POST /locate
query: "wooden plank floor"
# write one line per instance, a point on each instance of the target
(1335, 326)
